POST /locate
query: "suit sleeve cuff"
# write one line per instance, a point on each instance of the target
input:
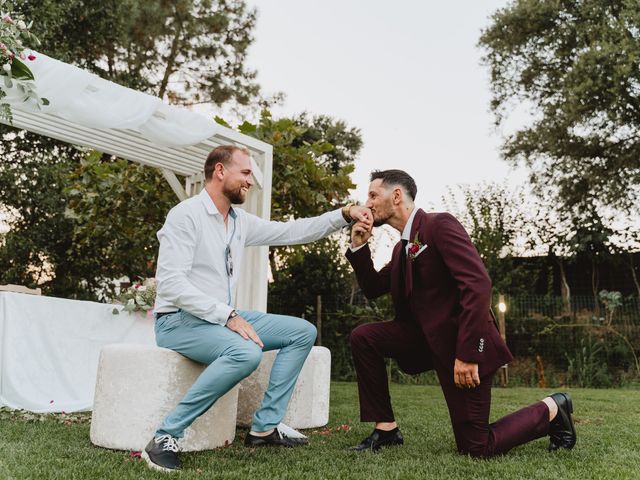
(355, 249)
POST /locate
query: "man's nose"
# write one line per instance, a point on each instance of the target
(368, 204)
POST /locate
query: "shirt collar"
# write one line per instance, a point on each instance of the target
(406, 233)
(211, 207)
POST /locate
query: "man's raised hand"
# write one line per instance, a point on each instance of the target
(360, 234)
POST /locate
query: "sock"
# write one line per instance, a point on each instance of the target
(386, 433)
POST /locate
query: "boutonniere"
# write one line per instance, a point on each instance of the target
(415, 248)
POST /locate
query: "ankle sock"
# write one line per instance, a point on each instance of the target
(386, 433)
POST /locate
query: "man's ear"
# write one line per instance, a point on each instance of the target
(397, 196)
(218, 170)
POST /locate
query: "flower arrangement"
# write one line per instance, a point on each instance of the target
(14, 36)
(139, 297)
(415, 248)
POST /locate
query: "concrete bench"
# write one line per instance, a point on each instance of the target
(309, 405)
(137, 385)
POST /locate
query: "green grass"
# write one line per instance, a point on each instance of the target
(607, 421)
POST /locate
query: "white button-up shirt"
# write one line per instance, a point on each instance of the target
(192, 264)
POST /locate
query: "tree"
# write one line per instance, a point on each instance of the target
(34, 250)
(184, 51)
(590, 239)
(496, 222)
(304, 272)
(313, 157)
(187, 51)
(551, 229)
(310, 173)
(577, 65)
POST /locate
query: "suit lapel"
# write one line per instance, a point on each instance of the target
(397, 272)
(415, 228)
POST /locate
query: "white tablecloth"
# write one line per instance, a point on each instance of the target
(49, 349)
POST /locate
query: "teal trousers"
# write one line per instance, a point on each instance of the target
(230, 358)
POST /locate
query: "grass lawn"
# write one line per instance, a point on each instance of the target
(607, 421)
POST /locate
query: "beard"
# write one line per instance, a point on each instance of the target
(235, 196)
(378, 222)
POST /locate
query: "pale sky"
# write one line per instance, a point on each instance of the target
(407, 73)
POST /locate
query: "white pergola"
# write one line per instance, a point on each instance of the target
(89, 111)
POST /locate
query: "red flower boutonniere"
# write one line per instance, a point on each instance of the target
(415, 248)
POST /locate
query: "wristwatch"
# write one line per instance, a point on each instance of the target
(233, 314)
(346, 213)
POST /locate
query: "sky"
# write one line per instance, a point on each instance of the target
(407, 73)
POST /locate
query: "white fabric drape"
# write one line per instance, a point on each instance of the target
(49, 349)
(88, 100)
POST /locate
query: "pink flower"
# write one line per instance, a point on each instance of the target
(7, 19)
(22, 56)
(136, 286)
(135, 454)
(31, 57)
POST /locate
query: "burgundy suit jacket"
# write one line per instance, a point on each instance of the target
(445, 289)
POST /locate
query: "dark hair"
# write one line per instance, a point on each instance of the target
(221, 154)
(396, 178)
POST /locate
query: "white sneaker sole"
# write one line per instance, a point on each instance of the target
(155, 466)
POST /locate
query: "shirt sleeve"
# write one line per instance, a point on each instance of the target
(178, 239)
(293, 232)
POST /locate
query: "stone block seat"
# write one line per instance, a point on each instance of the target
(309, 405)
(137, 385)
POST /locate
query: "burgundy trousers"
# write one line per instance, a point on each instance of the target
(468, 408)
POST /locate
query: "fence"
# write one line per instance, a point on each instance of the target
(553, 344)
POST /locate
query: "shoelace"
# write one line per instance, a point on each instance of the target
(169, 443)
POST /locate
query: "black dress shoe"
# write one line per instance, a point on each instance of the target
(562, 433)
(275, 438)
(379, 439)
(162, 454)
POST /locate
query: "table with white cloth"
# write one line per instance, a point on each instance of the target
(49, 349)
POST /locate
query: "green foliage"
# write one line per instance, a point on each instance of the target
(495, 220)
(79, 222)
(310, 173)
(586, 366)
(312, 160)
(15, 37)
(611, 301)
(577, 65)
(116, 207)
(306, 271)
(189, 51)
(36, 249)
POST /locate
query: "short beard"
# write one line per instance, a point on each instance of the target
(381, 221)
(235, 196)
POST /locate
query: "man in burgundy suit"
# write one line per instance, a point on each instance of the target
(441, 293)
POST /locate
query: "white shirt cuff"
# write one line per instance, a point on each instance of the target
(355, 249)
(221, 315)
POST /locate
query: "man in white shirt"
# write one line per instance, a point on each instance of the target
(201, 249)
